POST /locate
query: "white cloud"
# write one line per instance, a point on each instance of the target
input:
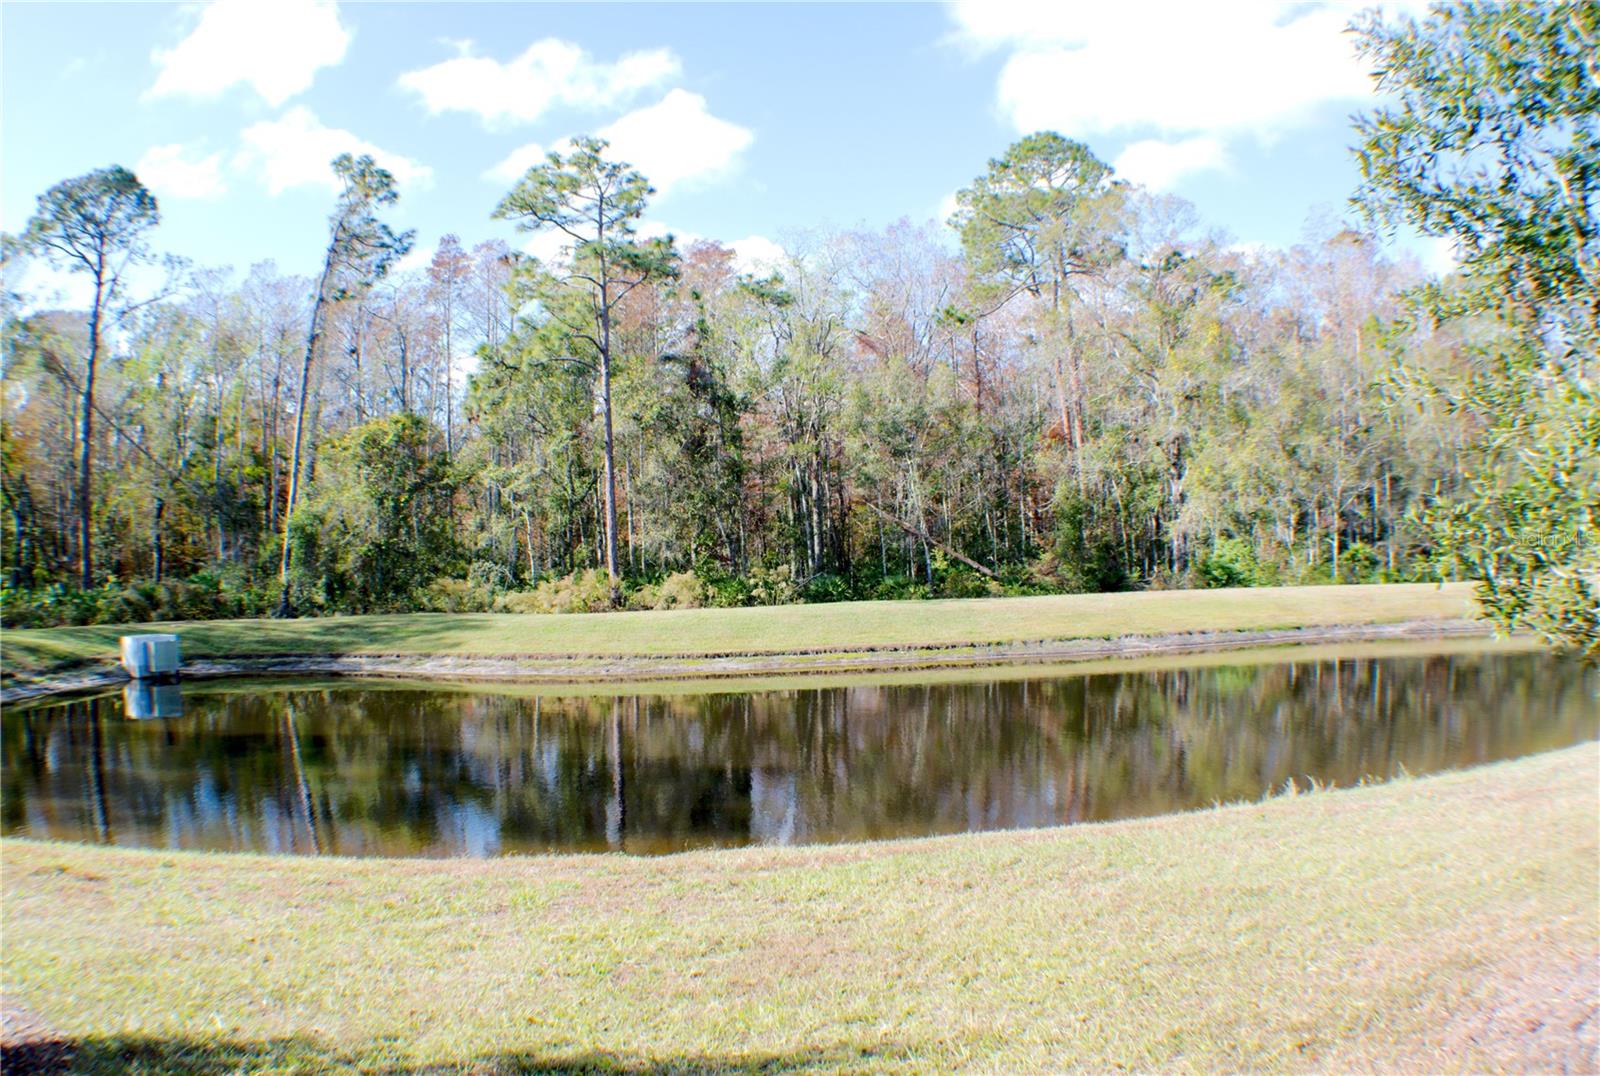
(297, 150)
(43, 286)
(655, 229)
(757, 254)
(752, 254)
(550, 72)
(548, 245)
(1173, 67)
(1159, 165)
(676, 142)
(418, 257)
(517, 163)
(273, 46)
(173, 171)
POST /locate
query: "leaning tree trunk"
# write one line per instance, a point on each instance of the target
(313, 336)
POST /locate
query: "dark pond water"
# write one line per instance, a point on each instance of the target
(360, 769)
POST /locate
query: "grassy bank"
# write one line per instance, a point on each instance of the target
(1445, 922)
(766, 630)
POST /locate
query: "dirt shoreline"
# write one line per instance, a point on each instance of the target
(588, 669)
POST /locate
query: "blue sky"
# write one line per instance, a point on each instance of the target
(753, 120)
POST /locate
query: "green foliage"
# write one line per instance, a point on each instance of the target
(588, 591)
(446, 595)
(1087, 557)
(1094, 394)
(773, 585)
(1494, 143)
(686, 406)
(361, 251)
(894, 588)
(361, 248)
(826, 587)
(206, 595)
(959, 581)
(1360, 563)
(378, 520)
(1038, 214)
(593, 205)
(94, 224)
(679, 590)
(1231, 562)
(80, 223)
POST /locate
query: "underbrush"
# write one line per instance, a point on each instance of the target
(202, 596)
(215, 596)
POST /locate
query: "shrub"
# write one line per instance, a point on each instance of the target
(897, 588)
(519, 601)
(19, 608)
(445, 595)
(204, 596)
(680, 590)
(130, 605)
(771, 586)
(581, 592)
(1359, 563)
(826, 587)
(63, 604)
(958, 580)
(1231, 562)
(1085, 556)
(723, 589)
(491, 574)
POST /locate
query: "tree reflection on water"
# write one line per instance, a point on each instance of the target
(372, 769)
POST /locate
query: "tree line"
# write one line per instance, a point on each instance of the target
(1080, 388)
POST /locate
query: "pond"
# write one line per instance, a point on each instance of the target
(365, 768)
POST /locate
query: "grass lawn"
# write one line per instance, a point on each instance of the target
(1441, 923)
(766, 630)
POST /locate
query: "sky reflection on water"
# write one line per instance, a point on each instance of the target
(366, 769)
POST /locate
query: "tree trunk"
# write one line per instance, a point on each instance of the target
(158, 545)
(449, 403)
(285, 606)
(86, 442)
(610, 521)
(927, 539)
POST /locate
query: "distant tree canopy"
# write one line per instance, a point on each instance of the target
(592, 204)
(361, 249)
(1079, 388)
(379, 519)
(94, 225)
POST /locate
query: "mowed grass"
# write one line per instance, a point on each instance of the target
(1421, 925)
(765, 630)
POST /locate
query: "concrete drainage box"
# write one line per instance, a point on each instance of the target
(149, 657)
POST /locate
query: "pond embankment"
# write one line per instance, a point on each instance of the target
(634, 670)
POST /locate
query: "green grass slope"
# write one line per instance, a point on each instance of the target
(1444, 923)
(765, 630)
